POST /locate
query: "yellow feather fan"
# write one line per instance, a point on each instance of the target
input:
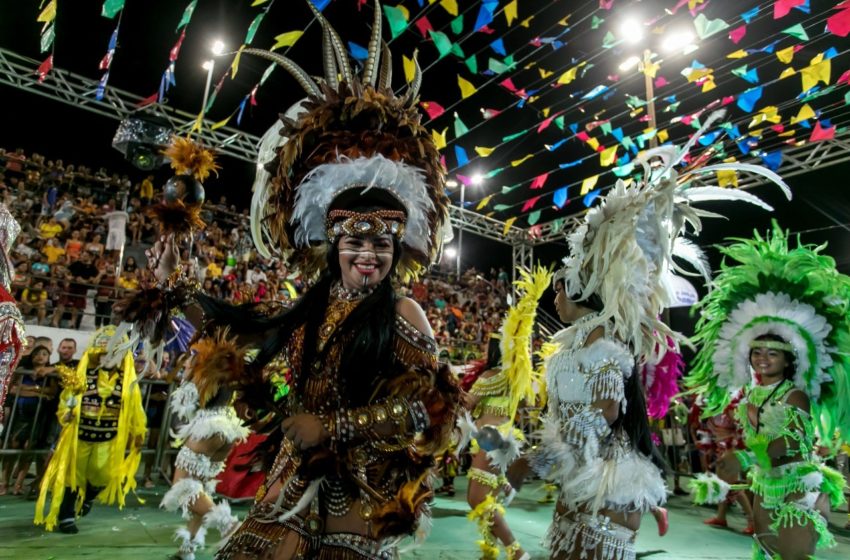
(516, 336)
(189, 157)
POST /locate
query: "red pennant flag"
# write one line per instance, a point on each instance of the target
(487, 30)
(538, 181)
(839, 24)
(175, 50)
(738, 33)
(508, 84)
(529, 204)
(254, 95)
(106, 61)
(606, 4)
(433, 109)
(819, 133)
(778, 128)
(148, 100)
(728, 99)
(547, 121)
(535, 232)
(443, 163)
(661, 81)
(44, 68)
(424, 26)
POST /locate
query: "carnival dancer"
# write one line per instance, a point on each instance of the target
(596, 439)
(496, 442)
(209, 430)
(12, 338)
(779, 314)
(103, 429)
(349, 375)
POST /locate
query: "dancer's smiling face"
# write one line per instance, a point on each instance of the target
(769, 363)
(365, 261)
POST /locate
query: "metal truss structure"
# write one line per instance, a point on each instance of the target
(64, 86)
(67, 87)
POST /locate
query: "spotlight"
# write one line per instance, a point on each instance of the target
(450, 252)
(217, 47)
(141, 138)
(207, 65)
(476, 179)
(678, 40)
(451, 183)
(632, 30)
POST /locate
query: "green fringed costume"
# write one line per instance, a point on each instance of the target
(795, 294)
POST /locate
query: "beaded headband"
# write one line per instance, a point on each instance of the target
(365, 224)
(772, 344)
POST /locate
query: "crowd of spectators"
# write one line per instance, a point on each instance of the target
(83, 232)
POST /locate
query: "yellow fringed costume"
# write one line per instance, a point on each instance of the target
(99, 449)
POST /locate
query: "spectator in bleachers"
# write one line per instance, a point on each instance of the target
(83, 274)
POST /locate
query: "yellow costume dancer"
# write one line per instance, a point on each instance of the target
(101, 414)
(496, 396)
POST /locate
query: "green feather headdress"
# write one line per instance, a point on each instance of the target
(795, 293)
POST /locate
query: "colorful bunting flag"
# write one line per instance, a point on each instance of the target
(287, 39)
(397, 17)
(588, 184)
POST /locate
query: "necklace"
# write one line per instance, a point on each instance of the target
(344, 294)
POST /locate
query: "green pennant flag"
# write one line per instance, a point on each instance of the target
(267, 73)
(442, 42)
(500, 207)
(457, 51)
(797, 31)
(514, 136)
(460, 128)
(187, 15)
(397, 20)
(47, 38)
(506, 190)
(609, 40)
(497, 66)
(559, 121)
(493, 172)
(740, 71)
(472, 64)
(111, 8)
(605, 128)
(627, 142)
(252, 29)
(457, 25)
(557, 224)
(847, 98)
(210, 102)
(533, 217)
(596, 22)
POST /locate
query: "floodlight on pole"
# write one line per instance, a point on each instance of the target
(629, 63)
(207, 65)
(632, 30)
(476, 179)
(678, 41)
(450, 252)
(218, 47)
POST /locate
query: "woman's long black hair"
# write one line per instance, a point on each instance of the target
(635, 421)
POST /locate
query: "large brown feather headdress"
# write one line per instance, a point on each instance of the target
(350, 134)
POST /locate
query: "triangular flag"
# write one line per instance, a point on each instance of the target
(806, 112)
(460, 127)
(433, 109)
(397, 17)
(484, 201)
(786, 55)
(466, 87)
(508, 223)
(220, 124)
(529, 204)
(450, 6)
(608, 156)
(521, 160)
(287, 39)
(560, 197)
(48, 14)
(409, 68)
(439, 138)
(797, 31)
(510, 11)
(588, 184)
(484, 151)
(539, 181)
(533, 217)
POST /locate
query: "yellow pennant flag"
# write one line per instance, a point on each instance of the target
(608, 156)
(546, 112)
(450, 6)
(466, 87)
(484, 201)
(727, 177)
(786, 55)
(593, 143)
(258, 2)
(409, 68)
(511, 12)
(234, 67)
(221, 123)
(199, 123)
(740, 53)
(818, 71)
(439, 138)
(651, 69)
(48, 14)
(508, 223)
(287, 39)
(806, 112)
(526, 22)
(545, 73)
(663, 135)
(521, 160)
(564, 21)
(588, 184)
(768, 114)
(484, 151)
(708, 84)
(568, 76)
(786, 73)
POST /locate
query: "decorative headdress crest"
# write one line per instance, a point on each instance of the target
(351, 134)
(624, 250)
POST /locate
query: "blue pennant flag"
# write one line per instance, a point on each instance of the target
(485, 13)
(560, 197)
(460, 154)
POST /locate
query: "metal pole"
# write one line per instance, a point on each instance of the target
(650, 97)
(460, 233)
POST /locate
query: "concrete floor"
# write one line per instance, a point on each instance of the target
(144, 532)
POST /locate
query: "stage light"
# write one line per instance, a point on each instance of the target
(629, 63)
(207, 65)
(678, 40)
(632, 30)
(450, 252)
(141, 138)
(476, 179)
(451, 183)
(218, 47)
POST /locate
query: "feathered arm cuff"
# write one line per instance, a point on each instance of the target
(569, 443)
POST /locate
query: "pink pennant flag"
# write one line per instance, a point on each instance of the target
(535, 232)
(106, 61)
(433, 109)
(467, 181)
(661, 81)
(778, 128)
(44, 68)
(782, 7)
(839, 24)
(845, 78)
(583, 136)
(443, 163)
(489, 113)
(536, 42)
(487, 30)
(606, 4)
(728, 99)
(738, 33)
(424, 26)
(547, 121)
(819, 133)
(529, 204)
(508, 84)
(538, 181)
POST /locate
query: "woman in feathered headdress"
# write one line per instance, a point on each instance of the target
(596, 439)
(347, 380)
(495, 396)
(779, 315)
(11, 323)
